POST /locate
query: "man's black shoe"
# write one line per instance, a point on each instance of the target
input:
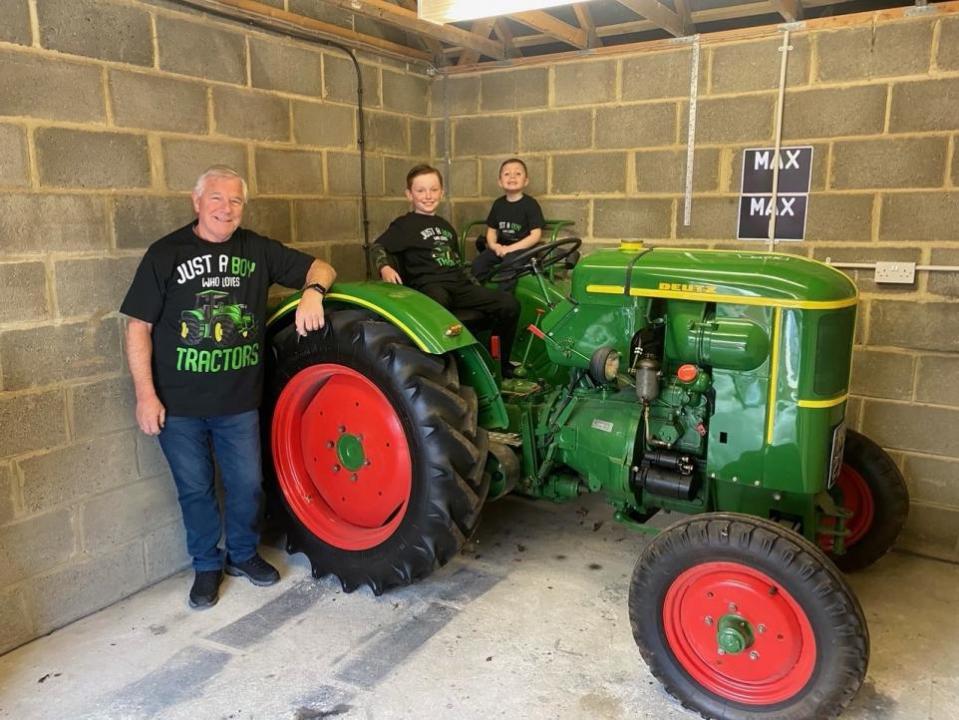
(206, 588)
(257, 570)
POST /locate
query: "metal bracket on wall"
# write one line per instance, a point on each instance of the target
(893, 272)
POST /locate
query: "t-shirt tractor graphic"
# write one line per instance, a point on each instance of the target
(216, 317)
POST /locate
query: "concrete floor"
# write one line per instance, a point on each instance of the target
(530, 622)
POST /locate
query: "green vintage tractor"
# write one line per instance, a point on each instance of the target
(214, 316)
(707, 383)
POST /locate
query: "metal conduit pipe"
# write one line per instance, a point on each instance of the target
(248, 17)
(780, 104)
(872, 266)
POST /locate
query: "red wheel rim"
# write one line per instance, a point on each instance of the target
(857, 499)
(782, 655)
(342, 458)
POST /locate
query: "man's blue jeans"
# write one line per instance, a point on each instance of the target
(189, 444)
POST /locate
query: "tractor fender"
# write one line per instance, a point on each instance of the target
(428, 325)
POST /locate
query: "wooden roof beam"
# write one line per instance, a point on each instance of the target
(791, 10)
(657, 13)
(483, 27)
(685, 16)
(407, 20)
(506, 35)
(554, 27)
(433, 45)
(585, 21)
(727, 12)
(282, 18)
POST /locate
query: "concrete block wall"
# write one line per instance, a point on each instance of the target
(876, 95)
(108, 111)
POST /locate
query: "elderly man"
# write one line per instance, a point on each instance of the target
(195, 345)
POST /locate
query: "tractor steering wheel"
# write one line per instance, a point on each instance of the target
(534, 259)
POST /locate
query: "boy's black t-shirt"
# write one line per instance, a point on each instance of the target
(207, 304)
(425, 247)
(513, 221)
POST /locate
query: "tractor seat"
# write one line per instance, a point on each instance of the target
(473, 319)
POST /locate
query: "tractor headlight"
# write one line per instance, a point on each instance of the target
(604, 365)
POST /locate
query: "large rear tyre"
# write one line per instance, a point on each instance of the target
(376, 452)
(871, 487)
(741, 619)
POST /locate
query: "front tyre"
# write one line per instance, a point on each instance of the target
(873, 490)
(741, 619)
(376, 452)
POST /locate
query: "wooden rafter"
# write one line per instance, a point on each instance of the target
(585, 21)
(427, 41)
(506, 35)
(407, 20)
(685, 16)
(792, 10)
(254, 9)
(745, 32)
(482, 27)
(657, 13)
(726, 12)
(554, 27)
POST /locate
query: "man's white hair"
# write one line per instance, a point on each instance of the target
(218, 171)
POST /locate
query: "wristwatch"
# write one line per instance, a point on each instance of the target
(319, 288)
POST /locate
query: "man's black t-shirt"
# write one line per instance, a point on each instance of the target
(425, 247)
(207, 304)
(513, 221)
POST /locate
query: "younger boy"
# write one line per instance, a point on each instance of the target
(420, 250)
(515, 222)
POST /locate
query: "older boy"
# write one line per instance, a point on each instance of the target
(419, 249)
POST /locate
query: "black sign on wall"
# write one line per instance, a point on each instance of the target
(755, 198)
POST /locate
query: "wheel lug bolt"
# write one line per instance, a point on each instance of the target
(329, 444)
(761, 628)
(367, 462)
(753, 655)
(721, 651)
(732, 607)
(353, 477)
(709, 619)
(342, 428)
(336, 468)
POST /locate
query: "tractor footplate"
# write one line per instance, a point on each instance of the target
(519, 388)
(511, 439)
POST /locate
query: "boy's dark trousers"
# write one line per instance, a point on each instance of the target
(500, 307)
(488, 262)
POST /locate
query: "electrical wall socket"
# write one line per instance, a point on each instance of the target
(902, 273)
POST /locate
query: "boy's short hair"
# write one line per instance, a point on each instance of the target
(423, 169)
(513, 160)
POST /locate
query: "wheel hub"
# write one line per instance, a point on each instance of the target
(734, 634)
(349, 449)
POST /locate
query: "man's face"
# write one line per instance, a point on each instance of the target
(512, 178)
(425, 193)
(219, 209)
